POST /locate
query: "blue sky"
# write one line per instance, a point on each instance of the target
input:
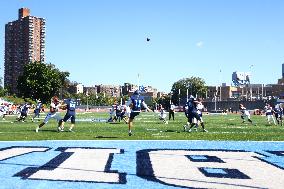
(104, 41)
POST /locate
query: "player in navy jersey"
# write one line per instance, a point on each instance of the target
(191, 112)
(37, 110)
(137, 101)
(70, 105)
(278, 112)
(24, 112)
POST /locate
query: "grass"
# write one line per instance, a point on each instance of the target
(146, 127)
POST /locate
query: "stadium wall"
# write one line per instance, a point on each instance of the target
(234, 105)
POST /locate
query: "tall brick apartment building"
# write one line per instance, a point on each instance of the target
(24, 43)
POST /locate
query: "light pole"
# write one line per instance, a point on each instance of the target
(220, 83)
(87, 100)
(178, 97)
(215, 104)
(121, 95)
(251, 66)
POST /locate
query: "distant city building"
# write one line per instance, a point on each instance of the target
(79, 88)
(147, 90)
(281, 81)
(90, 90)
(241, 78)
(76, 88)
(248, 92)
(109, 90)
(161, 94)
(24, 43)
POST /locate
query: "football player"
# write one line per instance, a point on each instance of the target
(37, 110)
(70, 105)
(3, 111)
(269, 113)
(244, 113)
(52, 114)
(24, 112)
(278, 110)
(163, 115)
(191, 112)
(199, 107)
(137, 101)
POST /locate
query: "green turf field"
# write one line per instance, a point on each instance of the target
(146, 127)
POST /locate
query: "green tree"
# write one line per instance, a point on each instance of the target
(2, 91)
(164, 101)
(41, 81)
(194, 85)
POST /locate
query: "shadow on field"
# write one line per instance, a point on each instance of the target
(52, 131)
(114, 123)
(105, 137)
(171, 131)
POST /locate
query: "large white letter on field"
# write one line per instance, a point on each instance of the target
(7, 153)
(208, 169)
(78, 164)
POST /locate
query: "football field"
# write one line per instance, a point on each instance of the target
(147, 126)
(102, 155)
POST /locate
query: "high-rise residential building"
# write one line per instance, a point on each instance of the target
(283, 70)
(24, 43)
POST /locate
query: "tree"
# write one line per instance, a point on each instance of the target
(2, 91)
(41, 81)
(164, 101)
(194, 85)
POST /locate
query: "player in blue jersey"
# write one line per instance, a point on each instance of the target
(70, 105)
(136, 101)
(37, 110)
(191, 112)
(24, 112)
(278, 112)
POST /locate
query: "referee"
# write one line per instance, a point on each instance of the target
(172, 111)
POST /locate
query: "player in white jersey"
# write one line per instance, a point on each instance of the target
(163, 115)
(112, 114)
(269, 113)
(2, 111)
(244, 113)
(199, 107)
(52, 114)
(127, 113)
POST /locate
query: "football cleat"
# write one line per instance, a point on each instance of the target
(60, 129)
(204, 130)
(70, 130)
(184, 128)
